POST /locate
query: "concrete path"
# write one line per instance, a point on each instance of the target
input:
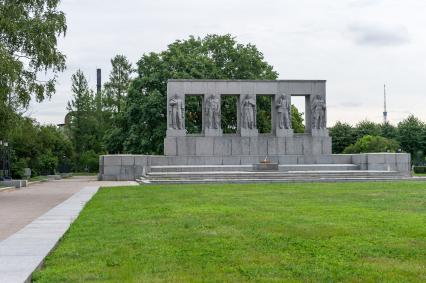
(20, 207)
(58, 203)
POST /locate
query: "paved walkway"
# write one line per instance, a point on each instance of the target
(42, 213)
(18, 208)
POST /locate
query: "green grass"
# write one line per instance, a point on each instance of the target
(84, 174)
(38, 178)
(419, 174)
(339, 232)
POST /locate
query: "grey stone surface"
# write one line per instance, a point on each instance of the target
(265, 167)
(284, 132)
(23, 252)
(382, 162)
(204, 146)
(14, 183)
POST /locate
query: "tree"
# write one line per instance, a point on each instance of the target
(117, 87)
(342, 135)
(366, 127)
(41, 148)
(412, 135)
(211, 57)
(388, 131)
(297, 120)
(28, 46)
(372, 144)
(84, 127)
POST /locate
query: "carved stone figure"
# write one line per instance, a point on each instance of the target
(318, 112)
(284, 111)
(177, 110)
(212, 109)
(248, 111)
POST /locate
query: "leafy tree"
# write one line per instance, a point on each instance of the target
(297, 120)
(412, 135)
(88, 162)
(211, 57)
(28, 46)
(117, 87)
(84, 127)
(389, 131)
(38, 147)
(366, 127)
(342, 135)
(372, 144)
(263, 114)
(48, 163)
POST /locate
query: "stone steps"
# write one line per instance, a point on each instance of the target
(248, 168)
(268, 176)
(270, 180)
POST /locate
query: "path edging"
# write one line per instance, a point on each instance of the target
(24, 252)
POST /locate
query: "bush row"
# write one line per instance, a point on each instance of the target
(419, 169)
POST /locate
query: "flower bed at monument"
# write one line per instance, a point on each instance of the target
(363, 232)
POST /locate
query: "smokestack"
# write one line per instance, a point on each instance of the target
(98, 80)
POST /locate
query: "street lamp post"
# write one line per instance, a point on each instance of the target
(4, 160)
(1, 161)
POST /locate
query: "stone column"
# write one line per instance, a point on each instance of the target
(248, 124)
(176, 115)
(318, 111)
(212, 115)
(282, 115)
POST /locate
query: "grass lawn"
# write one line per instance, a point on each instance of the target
(350, 232)
(420, 174)
(38, 178)
(84, 174)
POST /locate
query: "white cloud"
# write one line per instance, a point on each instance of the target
(377, 35)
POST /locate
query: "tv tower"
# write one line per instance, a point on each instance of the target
(385, 112)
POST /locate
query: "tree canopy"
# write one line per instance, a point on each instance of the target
(30, 59)
(143, 123)
(28, 45)
(372, 144)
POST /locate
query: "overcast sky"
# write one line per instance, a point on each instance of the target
(356, 45)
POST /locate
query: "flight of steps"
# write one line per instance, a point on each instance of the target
(245, 174)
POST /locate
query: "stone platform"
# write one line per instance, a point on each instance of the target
(235, 145)
(131, 167)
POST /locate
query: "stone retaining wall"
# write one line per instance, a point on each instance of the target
(130, 167)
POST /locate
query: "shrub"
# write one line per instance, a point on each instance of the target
(419, 169)
(372, 144)
(89, 161)
(18, 168)
(47, 163)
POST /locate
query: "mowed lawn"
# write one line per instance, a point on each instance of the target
(312, 232)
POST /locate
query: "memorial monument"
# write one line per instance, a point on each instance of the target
(281, 149)
(247, 141)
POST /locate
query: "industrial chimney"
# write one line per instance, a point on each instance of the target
(98, 80)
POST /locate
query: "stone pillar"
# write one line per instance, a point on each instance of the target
(212, 115)
(176, 115)
(282, 115)
(248, 124)
(318, 114)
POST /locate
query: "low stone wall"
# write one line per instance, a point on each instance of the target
(130, 167)
(14, 183)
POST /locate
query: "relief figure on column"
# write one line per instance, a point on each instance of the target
(318, 112)
(248, 111)
(283, 105)
(176, 112)
(212, 109)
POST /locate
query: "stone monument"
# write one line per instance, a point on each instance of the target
(247, 141)
(247, 149)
